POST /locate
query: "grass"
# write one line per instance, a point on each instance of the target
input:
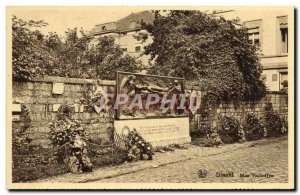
(25, 172)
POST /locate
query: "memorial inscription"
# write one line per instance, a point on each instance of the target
(159, 132)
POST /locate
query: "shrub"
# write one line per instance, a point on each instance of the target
(253, 127)
(285, 125)
(21, 173)
(34, 54)
(275, 125)
(21, 139)
(213, 138)
(69, 137)
(285, 87)
(216, 53)
(230, 130)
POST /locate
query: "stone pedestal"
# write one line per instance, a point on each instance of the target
(159, 132)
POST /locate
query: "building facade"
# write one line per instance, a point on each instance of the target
(126, 32)
(267, 29)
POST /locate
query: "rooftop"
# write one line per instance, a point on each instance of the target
(129, 23)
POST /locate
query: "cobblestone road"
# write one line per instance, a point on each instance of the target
(263, 159)
(268, 156)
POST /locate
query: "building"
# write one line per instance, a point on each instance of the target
(268, 29)
(125, 31)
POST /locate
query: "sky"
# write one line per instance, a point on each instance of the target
(59, 19)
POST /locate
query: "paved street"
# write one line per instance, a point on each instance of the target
(262, 159)
(267, 159)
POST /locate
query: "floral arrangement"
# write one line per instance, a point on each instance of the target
(213, 137)
(230, 130)
(68, 135)
(254, 127)
(275, 125)
(64, 131)
(78, 160)
(137, 147)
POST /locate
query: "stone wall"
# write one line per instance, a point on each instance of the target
(37, 95)
(279, 102)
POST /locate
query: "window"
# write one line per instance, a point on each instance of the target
(103, 28)
(254, 34)
(274, 77)
(124, 49)
(284, 76)
(283, 79)
(137, 48)
(283, 34)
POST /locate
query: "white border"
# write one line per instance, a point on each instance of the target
(5, 3)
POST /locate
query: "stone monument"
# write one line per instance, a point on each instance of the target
(154, 106)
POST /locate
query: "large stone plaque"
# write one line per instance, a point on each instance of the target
(159, 132)
(134, 85)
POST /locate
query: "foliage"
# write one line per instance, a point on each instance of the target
(71, 53)
(74, 55)
(208, 49)
(285, 87)
(109, 57)
(275, 125)
(21, 173)
(68, 135)
(64, 129)
(285, 125)
(230, 130)
(29, 56)
(80, 58)
(25, 119)
(213, 138)
(137, 146)
(20, 144)
(21, 139)
(254, 127)
(37, 170)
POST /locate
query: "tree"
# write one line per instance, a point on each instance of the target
(210, 50)
(109, 58)
(72, 53)
(29, 56)
(79, 58)
(35, 54)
